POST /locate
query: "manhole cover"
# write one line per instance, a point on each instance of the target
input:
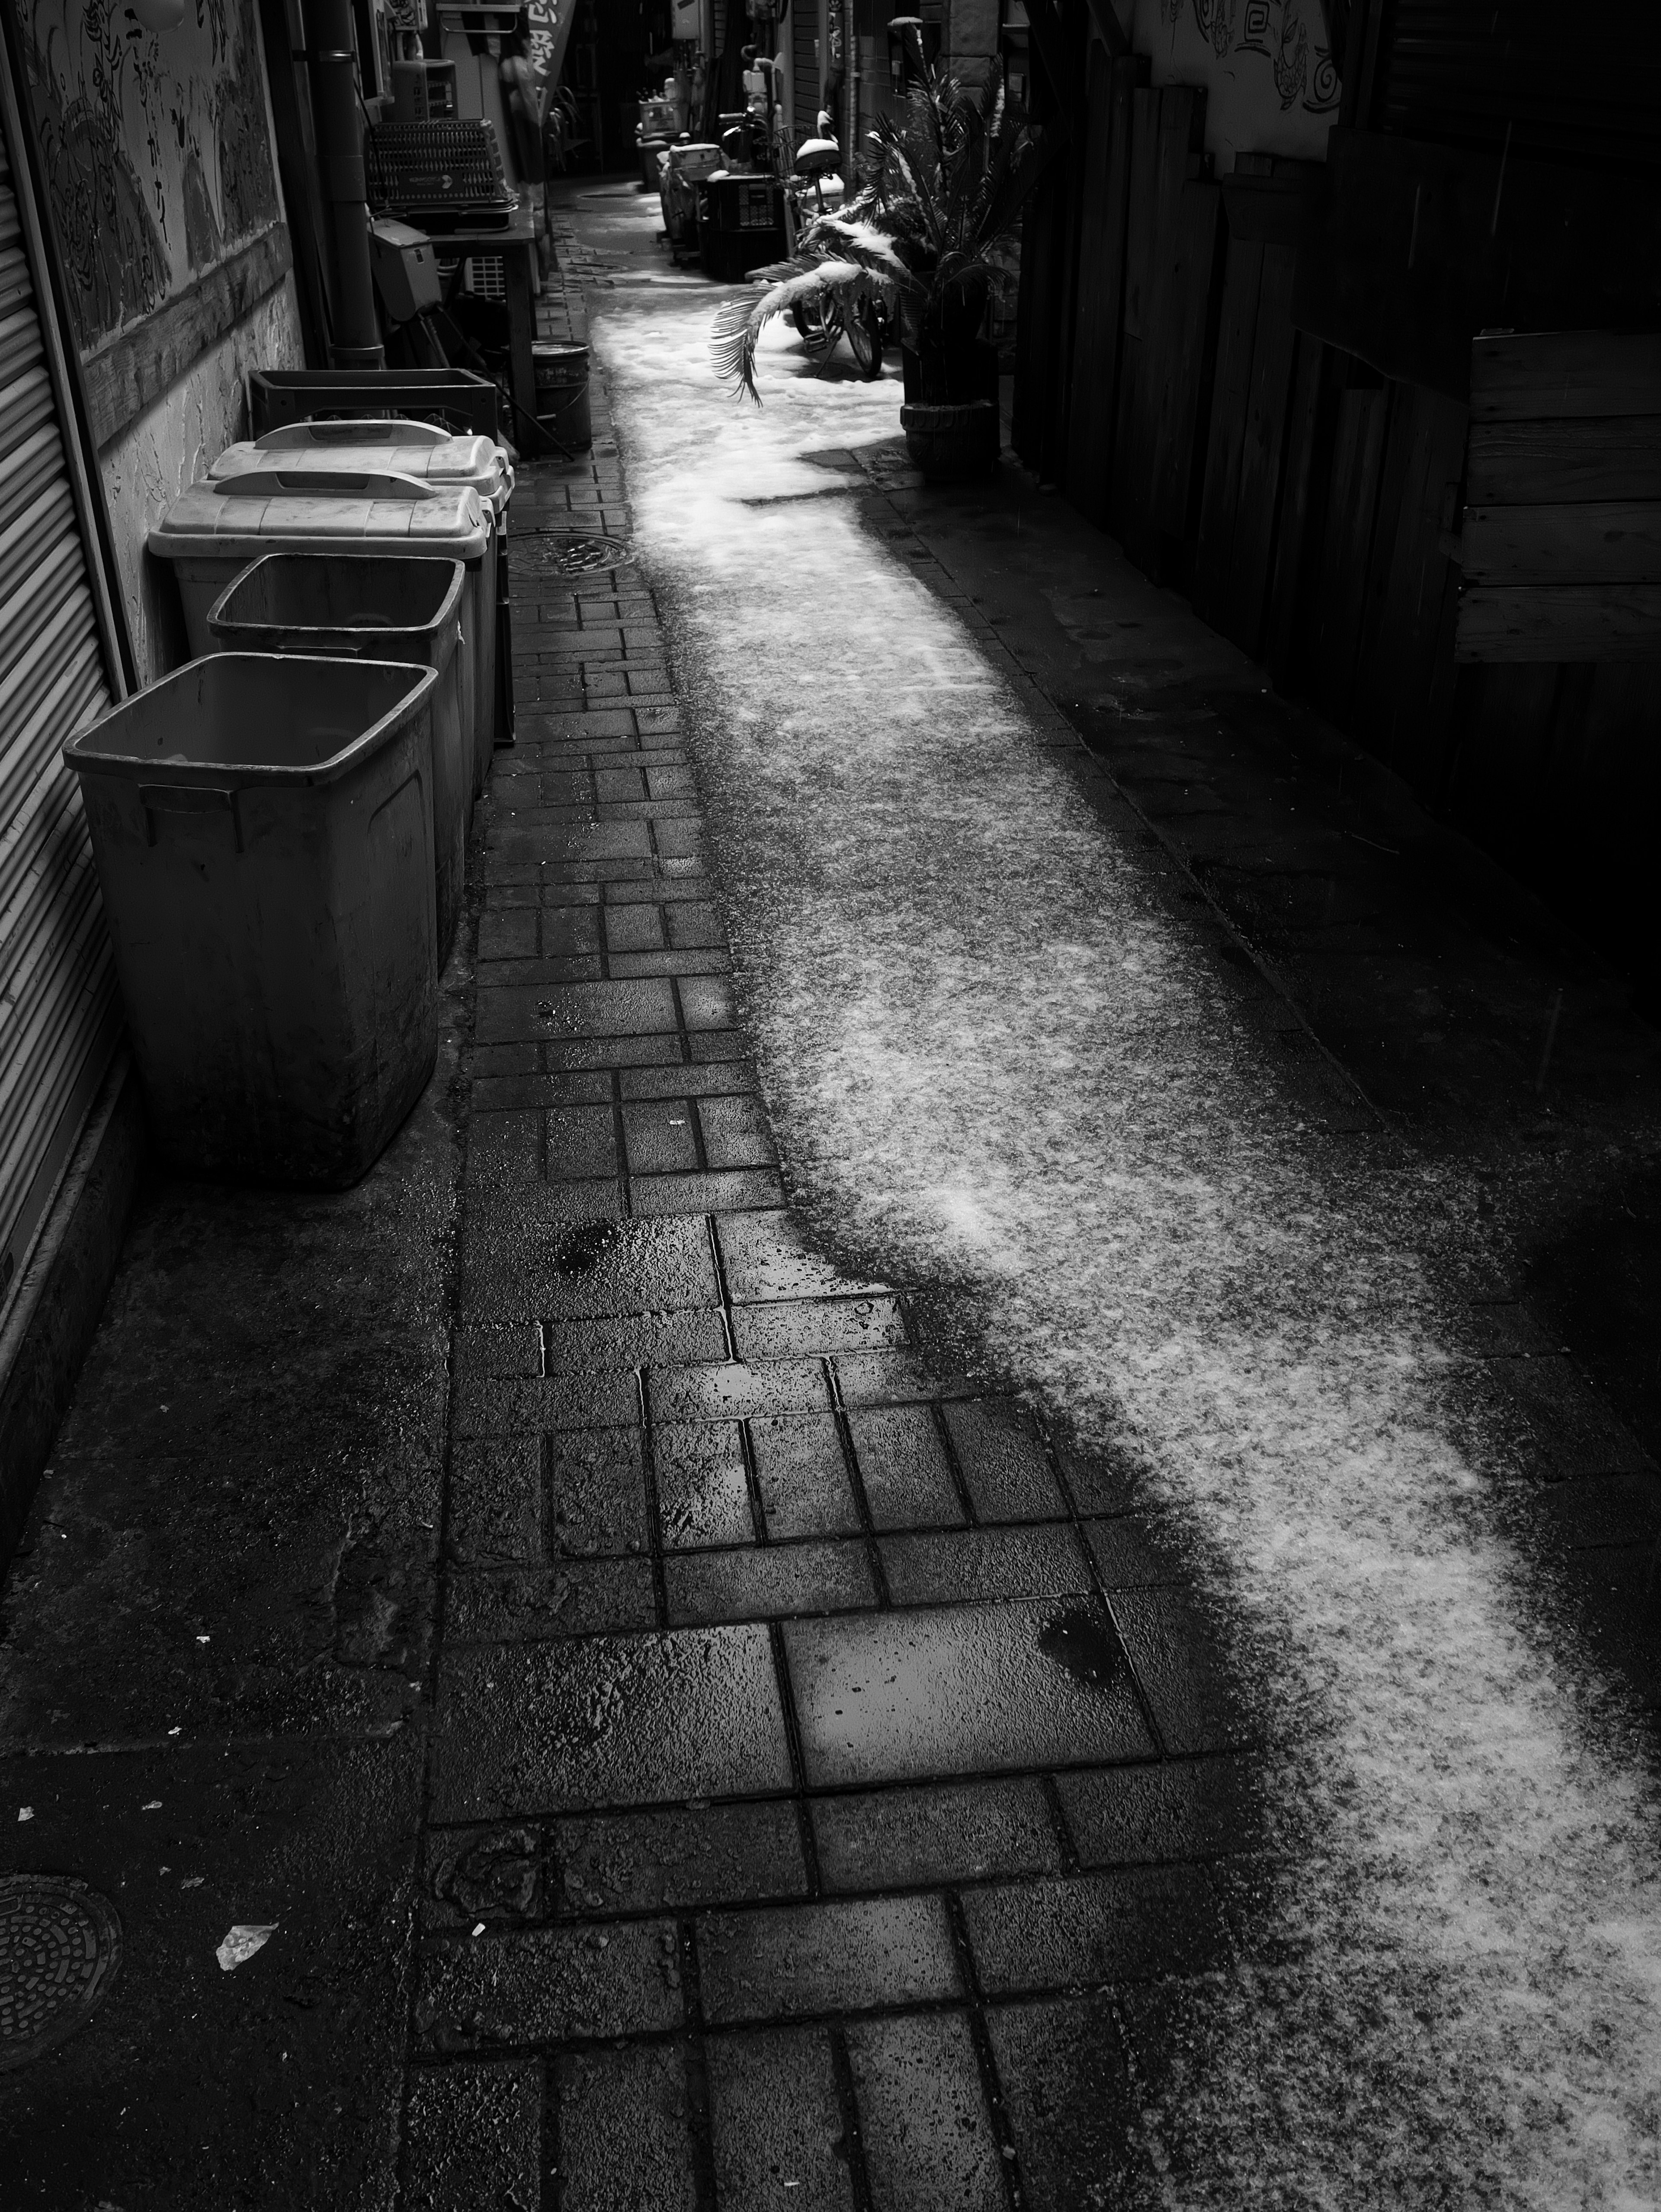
(60, 1945)
(557, 554)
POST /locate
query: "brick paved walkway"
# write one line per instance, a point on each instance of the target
(814, 1740)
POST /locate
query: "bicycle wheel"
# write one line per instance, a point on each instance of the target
(864, 324)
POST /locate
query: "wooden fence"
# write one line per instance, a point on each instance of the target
(1309, 505)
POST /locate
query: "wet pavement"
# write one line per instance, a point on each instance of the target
(702, 1740)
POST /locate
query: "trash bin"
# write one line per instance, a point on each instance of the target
(457, 397)
(374, 608)
(421, 451)
(263, 830)
(562, 375)
(213, 532)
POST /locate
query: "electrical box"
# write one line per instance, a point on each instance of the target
(424, 92)
(405, 269)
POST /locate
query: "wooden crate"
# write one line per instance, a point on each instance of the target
(1561, 545)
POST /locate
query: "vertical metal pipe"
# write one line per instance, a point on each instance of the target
(357, 339)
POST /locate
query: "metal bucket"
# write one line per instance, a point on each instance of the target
(561, 374)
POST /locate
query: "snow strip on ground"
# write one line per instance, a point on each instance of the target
(997, 1055)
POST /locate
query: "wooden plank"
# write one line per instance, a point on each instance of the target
(1144, 189)
(1405, 684)
(1064, 250)
(1608, 541)
(1032, 325)
(1189, 323)
(1538, 464)
(140, 363)
(1101, 285)
(1557, 373)
(1560, 622)
(1170, 254)
(1231, 401)
(1127, 493)
(1340, 581)
(1286, 638)
(1410, 248)
(1267, 210)
(1245, 595)
(1092, 337)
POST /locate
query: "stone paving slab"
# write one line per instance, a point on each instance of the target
(792, 1752)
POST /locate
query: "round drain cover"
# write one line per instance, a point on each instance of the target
(60, 1944)
(558, 553)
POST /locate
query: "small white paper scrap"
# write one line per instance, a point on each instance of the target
(244, 1940)
(153, 1806)
(26, 1812)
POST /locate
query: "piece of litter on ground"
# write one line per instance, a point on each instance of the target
(479, 1928)
(204, 1639)
(192, 1882)
(173, 1731)
(26, 1812)
(164, 1869)
(246, 1937)
(153, 1806)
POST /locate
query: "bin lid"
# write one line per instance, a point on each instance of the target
(311, 511)
(411, 449)
(235, 718)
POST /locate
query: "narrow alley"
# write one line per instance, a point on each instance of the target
(932, 1538)
(830, 1132)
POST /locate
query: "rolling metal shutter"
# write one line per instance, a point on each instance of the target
(59, 1010)
(1486, 74)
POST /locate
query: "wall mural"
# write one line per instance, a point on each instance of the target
(1271, 84)
(1290, 35)
(155, 147)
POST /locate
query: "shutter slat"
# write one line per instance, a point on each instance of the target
(59, 1007)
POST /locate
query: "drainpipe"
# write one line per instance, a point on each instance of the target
(357, 339)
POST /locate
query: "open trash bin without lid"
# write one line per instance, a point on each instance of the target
(373, 608)
(262, 827)
(456, 397)
(212, 532)
(425, 451)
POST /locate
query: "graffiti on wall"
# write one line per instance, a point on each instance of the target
(156, 147)
(1289, 35)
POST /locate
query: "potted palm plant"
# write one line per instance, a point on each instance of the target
(941, 187)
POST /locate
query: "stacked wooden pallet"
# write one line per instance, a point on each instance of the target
(1561, 549)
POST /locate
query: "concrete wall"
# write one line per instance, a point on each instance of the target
(1270, 83)
(159, 160)
(170, 445)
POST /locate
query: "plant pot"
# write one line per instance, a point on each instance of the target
(950, 445)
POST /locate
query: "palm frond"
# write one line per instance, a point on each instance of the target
(739, 323)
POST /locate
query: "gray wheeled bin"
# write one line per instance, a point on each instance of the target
(213, 530)
(374, 609)
(263, 830)
(417, 450)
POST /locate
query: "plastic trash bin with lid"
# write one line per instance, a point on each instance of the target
(425, 450)
(213, 530)
(263, 831)
(374, 608)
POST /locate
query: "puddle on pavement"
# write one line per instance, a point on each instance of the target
(1081, 1641)
(585, 1247)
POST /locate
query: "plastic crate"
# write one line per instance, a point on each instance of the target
(465, 403)
(449, 164)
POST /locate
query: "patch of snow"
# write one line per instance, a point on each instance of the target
(997, 1055)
